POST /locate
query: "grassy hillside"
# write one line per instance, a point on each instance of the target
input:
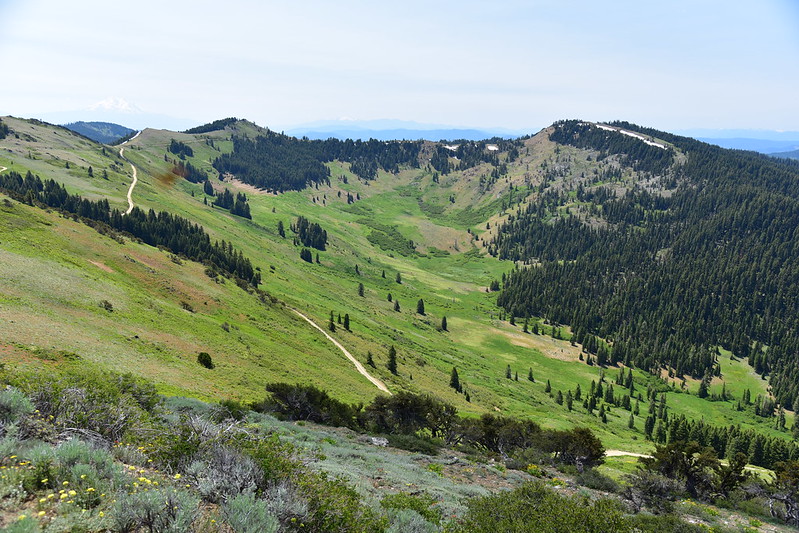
(57, 273)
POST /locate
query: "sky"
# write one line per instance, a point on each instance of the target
(520, 65)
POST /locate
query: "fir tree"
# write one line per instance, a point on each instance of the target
(420, 307)
(508, 373)
(396, 306)
(444, 323)
(398, 279)
(548, 387)
(530, 375)
(454, 381)
(389, 297)
(360, 289)
(347, 321)
(331, 325)
(392, 360)
(370, 360)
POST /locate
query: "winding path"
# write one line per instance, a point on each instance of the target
(621, 453)
(376, 382)
(135, 178)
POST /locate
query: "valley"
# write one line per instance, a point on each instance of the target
(414, 260)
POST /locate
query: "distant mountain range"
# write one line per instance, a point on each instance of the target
(102, 132)
(386, 130)
(763, 141)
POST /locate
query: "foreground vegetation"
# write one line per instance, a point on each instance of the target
(99, 451)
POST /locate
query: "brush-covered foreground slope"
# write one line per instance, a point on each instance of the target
(60, 274)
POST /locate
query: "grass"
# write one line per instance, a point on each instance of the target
(57, 272)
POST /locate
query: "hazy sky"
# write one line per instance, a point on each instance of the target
(517, 64)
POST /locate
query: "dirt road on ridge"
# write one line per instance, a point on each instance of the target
(135, 178)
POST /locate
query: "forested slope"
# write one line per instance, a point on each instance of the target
(703, 251)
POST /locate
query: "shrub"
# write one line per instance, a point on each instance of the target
(408, 521)
(535, 508)
(162, 510)
(222, 473)
(414, 443)
(246, 514)
(422, 504)
(652, 490)
(14, 405)
(204, 358)
(596, 480)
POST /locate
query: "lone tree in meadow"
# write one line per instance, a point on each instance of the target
(454, 381)
(360, 289)
(399, 278)
(420, 307)
(332, 324)
(204, 358)
(444, 323)
(396, 306)
(370, 360)
(392, 360)
(347, 321)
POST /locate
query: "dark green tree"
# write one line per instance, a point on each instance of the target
(392, 360)
(331, 325)
(454, 381)
(347, 321)
(370, 360)
(420, 307)
(360, 289)
(444, 323)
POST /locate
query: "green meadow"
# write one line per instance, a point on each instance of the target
(57, 276)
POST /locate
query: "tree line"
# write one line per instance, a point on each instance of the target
(177, 234)
(278, 162)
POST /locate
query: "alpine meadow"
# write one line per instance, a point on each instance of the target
(592, 327)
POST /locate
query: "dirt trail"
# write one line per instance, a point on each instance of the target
(620, 453)
(376, 382)
(3, 169)
(135, 178)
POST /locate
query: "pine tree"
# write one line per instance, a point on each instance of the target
(360, 289)
(420, 307)
(389, 297)
(516, 376)
(548, 388)
(370, 360)
(602, 416)
(396, 306)
(347, 321)
(631, 422)
(392, 360)
(569, 400)
(383, 275)
(357, 270)
(508, 373)
(454, 381)
(332, 324)
(467, 397)
(559, 398)
(398, 278)
(526, 328)
(530, 375)
(444, 323)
